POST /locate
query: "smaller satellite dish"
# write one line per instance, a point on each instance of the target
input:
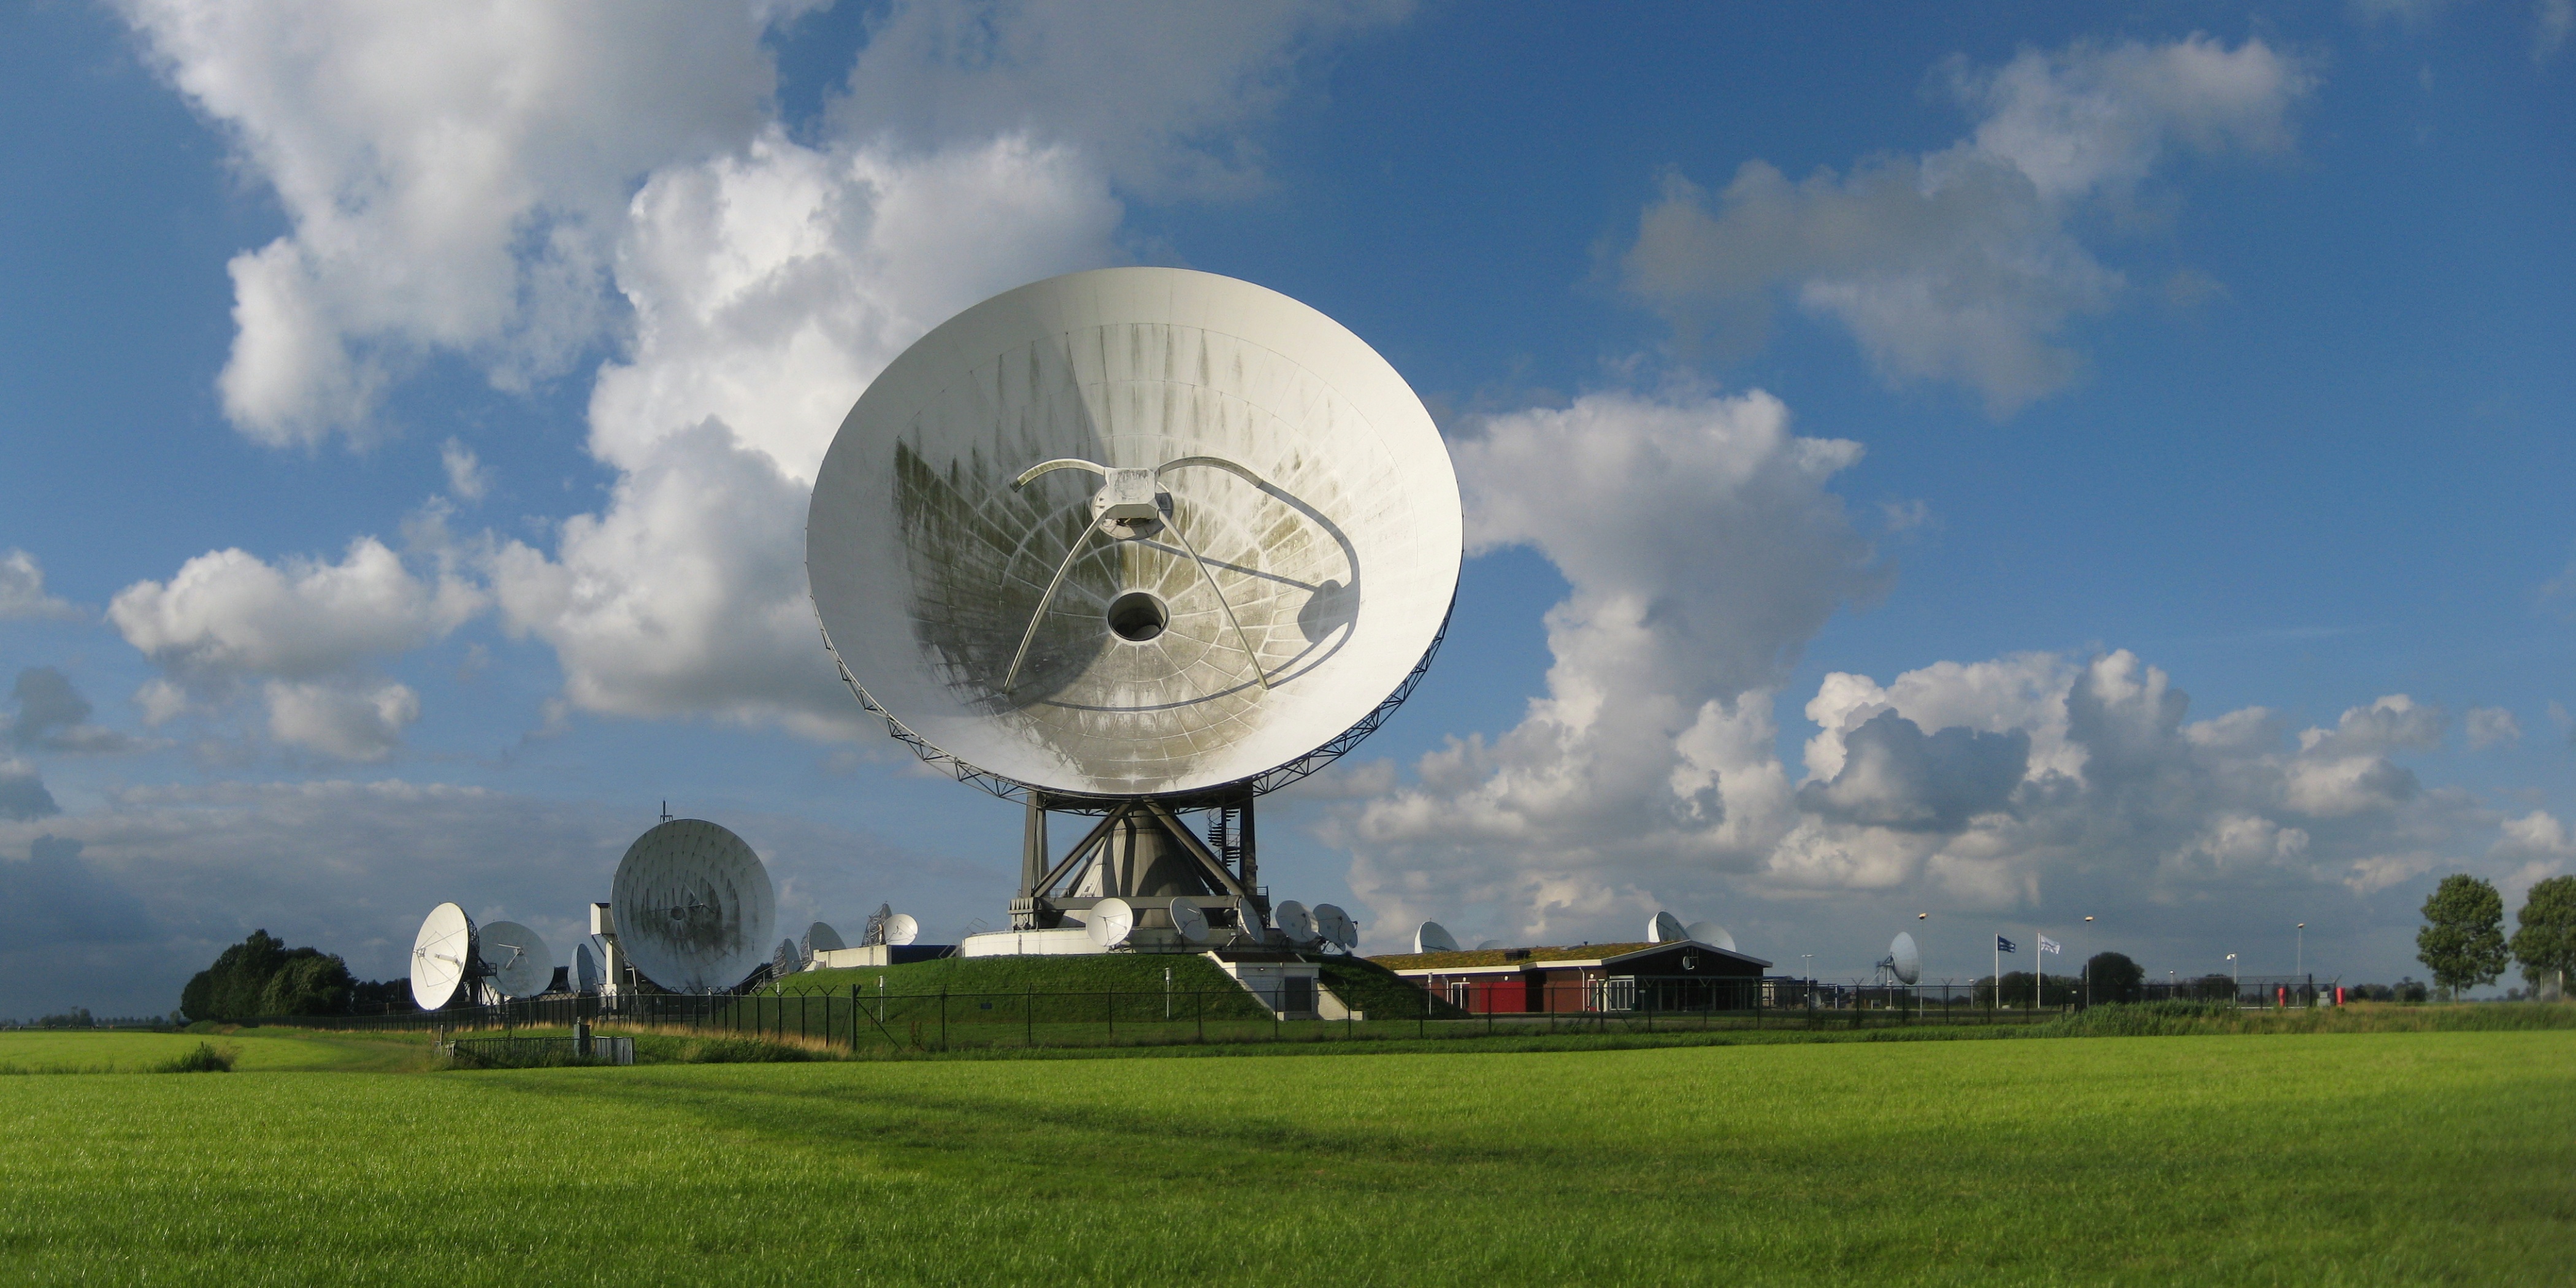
(585, 969)
(518, 962)
(1296, 923)
(1488, 945)
(1191, 922)
(1904, 960)
(1432, 937)
(1247, 918)
(820, 938)
(786, 961)
(1337, 926)
(442, 956)
(901, 929)
(1712, 934)
(1665, 928)
(1111, 921)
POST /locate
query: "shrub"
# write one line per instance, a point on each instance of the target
(205, 1058)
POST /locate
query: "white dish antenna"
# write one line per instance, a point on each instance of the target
(1488, 945)
(1297, 924)
(1247, 918)
(1665, 928)
(1191, 922)
(786, 961)
(442, 956)
(515, 959)
(902, 928)
(1711, 934)
(585, 969)
(820, 938)
(1904, 961)
(1432, 937)
(693, 907)
(1337, 927)
(1134, 531)
(1111, 922)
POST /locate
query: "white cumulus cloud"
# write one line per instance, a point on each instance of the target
(22, 590)
(1966, 264)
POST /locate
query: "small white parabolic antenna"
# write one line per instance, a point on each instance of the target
(902, 928)
(1134, 532)
(1432, 937)
(1904, 961)
(1712, 934)
(1665, 928)
(442, 956)
(1111, 920)
(693, 906)
(1190, 922)
(1336, 926)
(1296, 923)
(515, 959)
(585, 969)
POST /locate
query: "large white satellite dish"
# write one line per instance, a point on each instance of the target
(1112, 920)
(515, 959)
(1712, 934)
(693, 906)
(1904, 960)
(1336, 926)
(902, 928)
(1131, 532)
(1432, 937)
(820, 938)
(1190, 922)
(1665, 928)
(442, 956)
(1295, 922)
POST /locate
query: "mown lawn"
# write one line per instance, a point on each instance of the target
(2326, 1158)
(103, 1051)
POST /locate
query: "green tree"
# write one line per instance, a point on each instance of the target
(2463, 936)
(262, 976)
(2544, 937)
(2115, 978)
(311, 983)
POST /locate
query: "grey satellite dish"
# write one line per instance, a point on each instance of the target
(585, 969)
(693, 906)
(1191, 922)
(1296, 923)
(442, 956)
(902, 928)
(515, 959)
(820, 938)
(1247, 918)
(1432, 937)
(1665, 928)
(1134, 532)
(1489, 945)
(1712, 934)
(1903, 960)
(1111, 921)
(786, 961)
(1337, 926)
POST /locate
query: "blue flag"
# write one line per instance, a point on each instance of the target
(2003, 945)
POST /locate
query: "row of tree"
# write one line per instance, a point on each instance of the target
(2463, 941)
(261, 976)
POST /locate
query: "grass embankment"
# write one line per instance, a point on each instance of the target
(255, 1050)
(2433, 1157)
(1091, 972)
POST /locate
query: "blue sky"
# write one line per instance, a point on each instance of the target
(406, 410)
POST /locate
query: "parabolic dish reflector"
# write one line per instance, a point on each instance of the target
(1432, 937)
(821, 938)
(693, 906)
(1245, 540)
(1904, 960)
(1712, 934)
(516, 959)
(442, 956)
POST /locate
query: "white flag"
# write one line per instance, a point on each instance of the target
(2048, 945)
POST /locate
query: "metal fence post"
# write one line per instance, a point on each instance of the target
(943, 1019)
(1028, 1018)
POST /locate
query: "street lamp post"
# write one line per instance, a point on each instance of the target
(2299, 965)
(1810, 960)
(2087, 969)
(2236, 980)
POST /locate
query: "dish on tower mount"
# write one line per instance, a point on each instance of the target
(443, 957)
(693, 906)
(516, 960)
(1132, 543)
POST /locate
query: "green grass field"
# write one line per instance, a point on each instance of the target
(2299, 1158)
(258, 1050)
